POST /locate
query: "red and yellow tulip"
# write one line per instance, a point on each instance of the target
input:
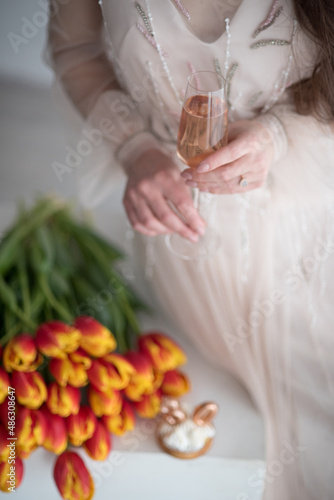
(96, 339)
(4, 413)
(157, 381)
(30, 430)
(165, 354)
(10, 478)
(30, 389)
(175, 383)
(56, 435)
(99, 445)
(111, 372)
(63, 401)
(68, 371)
(121, 423)
(82, 426)
(56, 339)
(122, 370)
(21, 354)
(104, 403)
(148, 406)
(4, 441)
(143, 379)
(72, 477)
(4, 384)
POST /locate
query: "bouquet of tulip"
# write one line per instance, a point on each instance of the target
(67, 380)
(66, 386)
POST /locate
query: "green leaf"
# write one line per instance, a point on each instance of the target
(51, 299)
(23, 228)
(45, 241)
(8, 297)
(23, 280)
(59, 283)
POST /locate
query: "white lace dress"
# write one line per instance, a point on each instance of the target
(263, 305)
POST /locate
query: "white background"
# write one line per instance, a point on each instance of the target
(25, 65)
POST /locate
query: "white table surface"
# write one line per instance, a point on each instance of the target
(32, 138)
(131, 476)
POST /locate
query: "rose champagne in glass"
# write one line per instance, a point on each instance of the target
(202, 131)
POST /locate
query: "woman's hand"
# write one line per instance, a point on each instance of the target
(156, 199)
(248, 155)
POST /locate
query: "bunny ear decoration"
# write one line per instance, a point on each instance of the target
(205, 413)
(175, 417)
(168, 405)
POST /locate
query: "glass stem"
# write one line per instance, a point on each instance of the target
(196, 199)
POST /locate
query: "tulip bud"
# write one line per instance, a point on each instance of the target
(30, 389)
(164, 353)
(56, 433)
(110, 372)
(81, 427)
(72, 477)
(99, 445)
(63, 401)
(4, 441)
(122, 370)
(121, 423)
(104, 403)
(175, 383)
(148, 406)
(82, 358)
(30, 429)
(9, 481)
(143, 379)
(65, 371)
(4, 384)
(96, 339)
(55, 339)
(157, 381)
(4, 413)
(21, 354)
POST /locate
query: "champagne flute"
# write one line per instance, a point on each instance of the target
(202, 131)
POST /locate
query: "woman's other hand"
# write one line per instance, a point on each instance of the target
(156, 199)
(248, 155)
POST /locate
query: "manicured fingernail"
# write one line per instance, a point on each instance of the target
(191, 183)
(193, 238)
(201, 230)
(204, 167)
(186, 175)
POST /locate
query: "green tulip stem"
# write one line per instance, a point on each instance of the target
(24, 284)
(9, 299)
(16, 328)
(23, 228)
(64, 313)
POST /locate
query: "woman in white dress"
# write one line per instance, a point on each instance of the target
(262, 306)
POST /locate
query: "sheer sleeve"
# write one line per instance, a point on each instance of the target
(303, 153)
(286, 127)
(77, 55)
(107, 117)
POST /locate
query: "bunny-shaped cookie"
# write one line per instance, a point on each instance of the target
(183, 435)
